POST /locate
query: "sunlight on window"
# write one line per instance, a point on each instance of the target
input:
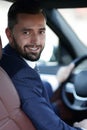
(51, 42)
(4, 6)
(77, 19)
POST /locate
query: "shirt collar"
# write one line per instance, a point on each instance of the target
(32, 64)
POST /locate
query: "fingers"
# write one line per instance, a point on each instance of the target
(71, 66)
(64, 72)
(81, 124)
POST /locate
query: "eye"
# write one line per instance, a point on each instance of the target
(42, 31)
(26, 32)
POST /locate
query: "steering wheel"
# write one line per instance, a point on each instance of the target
(74, 90)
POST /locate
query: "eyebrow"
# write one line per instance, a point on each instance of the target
(28, 29)
(43, 28)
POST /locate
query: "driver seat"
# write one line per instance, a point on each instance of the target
(11, 116)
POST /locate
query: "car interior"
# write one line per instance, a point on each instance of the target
(73, 106)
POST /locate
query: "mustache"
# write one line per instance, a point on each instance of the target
(35, 45)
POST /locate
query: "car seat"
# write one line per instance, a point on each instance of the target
(11, 116)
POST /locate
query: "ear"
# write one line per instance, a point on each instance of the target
(0, 48)
(9, 35)
(0, 42)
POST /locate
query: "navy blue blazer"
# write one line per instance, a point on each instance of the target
(34, 99)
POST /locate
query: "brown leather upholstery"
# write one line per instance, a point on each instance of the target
(11, 116)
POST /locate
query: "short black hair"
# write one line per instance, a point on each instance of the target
(23, 6)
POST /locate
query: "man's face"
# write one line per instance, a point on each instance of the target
(28, 36)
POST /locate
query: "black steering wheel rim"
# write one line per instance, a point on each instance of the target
(79, 102)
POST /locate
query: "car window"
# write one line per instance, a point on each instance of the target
(77, 19)
(4, 6)
(51, 43)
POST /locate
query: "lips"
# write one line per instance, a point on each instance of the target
(32, 48)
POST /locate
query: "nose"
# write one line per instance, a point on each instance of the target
(35, 38)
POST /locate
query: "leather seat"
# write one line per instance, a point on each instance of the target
(11, 116)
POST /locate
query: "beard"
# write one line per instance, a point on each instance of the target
(27, 55)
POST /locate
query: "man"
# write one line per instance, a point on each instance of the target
(26, 35)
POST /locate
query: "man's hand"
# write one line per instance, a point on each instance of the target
(82, 124)
(64, 72)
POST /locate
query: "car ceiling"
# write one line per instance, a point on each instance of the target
(60, 3)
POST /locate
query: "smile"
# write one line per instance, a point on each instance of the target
(33, 48)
